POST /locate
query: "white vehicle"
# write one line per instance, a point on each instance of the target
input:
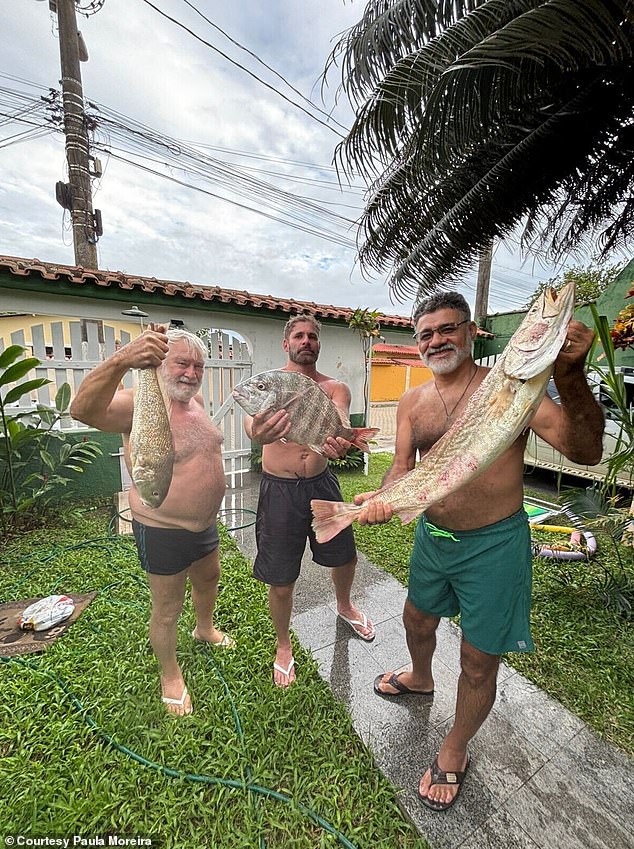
(541, 455)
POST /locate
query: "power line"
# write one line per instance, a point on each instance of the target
(346, 243)
(242, 68)
(264, 64)
(124, 135)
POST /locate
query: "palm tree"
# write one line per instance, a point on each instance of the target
(475, 116)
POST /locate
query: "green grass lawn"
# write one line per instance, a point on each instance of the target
(584, 653)
(86, 747)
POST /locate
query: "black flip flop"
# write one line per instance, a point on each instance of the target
(439, 776)
(403, 689)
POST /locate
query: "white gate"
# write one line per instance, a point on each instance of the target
(74, 353)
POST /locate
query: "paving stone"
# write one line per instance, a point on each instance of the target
(539, 776)
(542, 720)
(556, 809)
(500, 831)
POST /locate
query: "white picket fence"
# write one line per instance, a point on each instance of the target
(91, 342)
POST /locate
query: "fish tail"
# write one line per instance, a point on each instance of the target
(331, 517)
(361, 435)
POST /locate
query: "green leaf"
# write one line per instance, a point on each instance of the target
(62, 398)
(47, 459)
(20, 390)
(23, 437)
(47, 415)
(18, 370)
(10, 355)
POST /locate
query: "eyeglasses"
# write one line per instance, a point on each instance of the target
(442, 330)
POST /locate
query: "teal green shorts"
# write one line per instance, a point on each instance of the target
(484, 574)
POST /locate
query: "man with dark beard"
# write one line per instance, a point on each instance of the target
(472, 551)
(293, 475)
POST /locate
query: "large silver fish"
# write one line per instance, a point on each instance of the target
(495, 415)
(151, 446)
(314, 417)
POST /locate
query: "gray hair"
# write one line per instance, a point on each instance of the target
(194, 343)
(295, 319)
(443, 301)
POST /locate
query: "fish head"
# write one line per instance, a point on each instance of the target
(261, 392)
(152, 480)
(539, 338)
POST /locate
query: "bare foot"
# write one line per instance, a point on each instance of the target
(284, 668)
(358, 621)
(175, 697)
(442, 795)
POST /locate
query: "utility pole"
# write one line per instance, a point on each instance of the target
(482, 288)
(79, 194)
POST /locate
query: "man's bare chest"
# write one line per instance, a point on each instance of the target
(194, 435)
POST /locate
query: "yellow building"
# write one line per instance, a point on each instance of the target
(395, 369)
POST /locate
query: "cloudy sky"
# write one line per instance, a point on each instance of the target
(209, 174)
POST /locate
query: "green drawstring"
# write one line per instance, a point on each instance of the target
(439, 532)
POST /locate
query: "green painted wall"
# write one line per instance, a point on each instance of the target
(102, 478)
(610, 303)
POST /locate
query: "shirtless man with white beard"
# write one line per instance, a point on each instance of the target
(179, 539)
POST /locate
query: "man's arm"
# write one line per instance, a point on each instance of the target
(98, 401)
(576, 427)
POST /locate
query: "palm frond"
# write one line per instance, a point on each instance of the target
(388, 31)
(395, 110)
(511, 109)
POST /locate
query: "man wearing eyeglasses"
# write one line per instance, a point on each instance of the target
(472, 551)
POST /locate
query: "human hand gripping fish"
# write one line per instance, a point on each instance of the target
(495, 415)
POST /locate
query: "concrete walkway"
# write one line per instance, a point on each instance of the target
(539, 776)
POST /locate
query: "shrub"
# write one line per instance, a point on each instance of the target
(39, 457)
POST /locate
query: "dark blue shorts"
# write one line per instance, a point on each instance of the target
(283, 525)
(167, 551)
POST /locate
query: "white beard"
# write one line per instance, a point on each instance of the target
(445, 366)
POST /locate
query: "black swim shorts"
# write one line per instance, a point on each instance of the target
(167, 551)
(283, 525)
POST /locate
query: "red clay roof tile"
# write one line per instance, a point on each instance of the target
(21, 267)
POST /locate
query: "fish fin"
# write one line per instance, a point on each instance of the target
(331, 517)
(316, 448)
(361, 436)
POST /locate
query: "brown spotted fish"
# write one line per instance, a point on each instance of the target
(495, 415)
(151, 447)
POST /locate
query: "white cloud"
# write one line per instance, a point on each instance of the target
(155, 73)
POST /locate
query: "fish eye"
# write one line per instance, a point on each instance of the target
(261, 385)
